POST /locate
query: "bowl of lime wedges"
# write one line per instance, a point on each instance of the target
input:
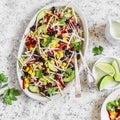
(106, 72)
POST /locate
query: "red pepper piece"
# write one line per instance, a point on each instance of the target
(47, 19)
(62, 45)
(50, 53)
(58, 15)
(60, 81)
(23, 84)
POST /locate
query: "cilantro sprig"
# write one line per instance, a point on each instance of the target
(9, 94)
(97, 50)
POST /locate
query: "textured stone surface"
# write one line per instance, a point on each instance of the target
(14, 17)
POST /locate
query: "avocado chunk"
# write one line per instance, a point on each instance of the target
(69, 75)
(41, 14)
(117, 71)
(33, 89)
(52, 67)
(42, 28)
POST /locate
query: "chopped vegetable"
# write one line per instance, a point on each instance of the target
(97, 50)
(51, 91)
(77, 46)
(39, 74)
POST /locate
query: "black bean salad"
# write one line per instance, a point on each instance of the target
(47, 63)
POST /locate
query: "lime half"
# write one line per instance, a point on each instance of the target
(106, 67)
(105, 82)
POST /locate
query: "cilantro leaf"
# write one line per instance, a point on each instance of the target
(51, 91)
(46, 41)
(10, 95)
(97, 50)
(39, 74)
(3, 78)
(68, 72)
(77, 45)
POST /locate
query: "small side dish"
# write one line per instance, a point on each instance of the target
(47, 62)
(107, 73)
(113, 109)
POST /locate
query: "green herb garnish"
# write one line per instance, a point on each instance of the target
(77, 46)
(10, 95)
(97, 50)
(39, 74)
(51, 91)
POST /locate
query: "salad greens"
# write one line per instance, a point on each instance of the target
(97, 50)
(48, 58)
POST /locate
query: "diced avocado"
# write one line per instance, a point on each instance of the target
(117, 70)
(42, 28)
(52, 67)
(46, 41)
(41, 14)
(33, 89)
(70, 77)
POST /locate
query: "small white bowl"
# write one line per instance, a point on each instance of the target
(98, 74)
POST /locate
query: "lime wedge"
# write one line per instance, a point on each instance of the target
(117, 70)
(104, 82)
(107, 68)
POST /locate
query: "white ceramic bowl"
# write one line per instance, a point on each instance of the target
(98, 74)
(104, 114)
(57, 4)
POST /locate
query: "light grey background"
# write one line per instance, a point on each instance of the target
(14, 17)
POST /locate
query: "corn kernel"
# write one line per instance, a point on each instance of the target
(31, 48)
(118, 108)
(30, 71)
(57, 56)
(27, 69)
(45, 58)
(64, 38)
(33, 74)
(64, 64)
(62, 67)
(112, 115)
(36, 35)
(26, 80)
(52, 61)
(31, 32)
(41, 63)
(26, 85)
(44, 83)
(46, 65)
(48, 70)
(57, 45)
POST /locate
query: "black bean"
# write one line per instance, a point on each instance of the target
(67, 21)
(54, 10)
(78, 56)
(49, 84)
(70, 30)
(24, 67)
(27, 43)
(42, 89)
(65, 47)
(22, 78)
(26, 74)
(73, 68)
(46, 93)
(32, 28)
